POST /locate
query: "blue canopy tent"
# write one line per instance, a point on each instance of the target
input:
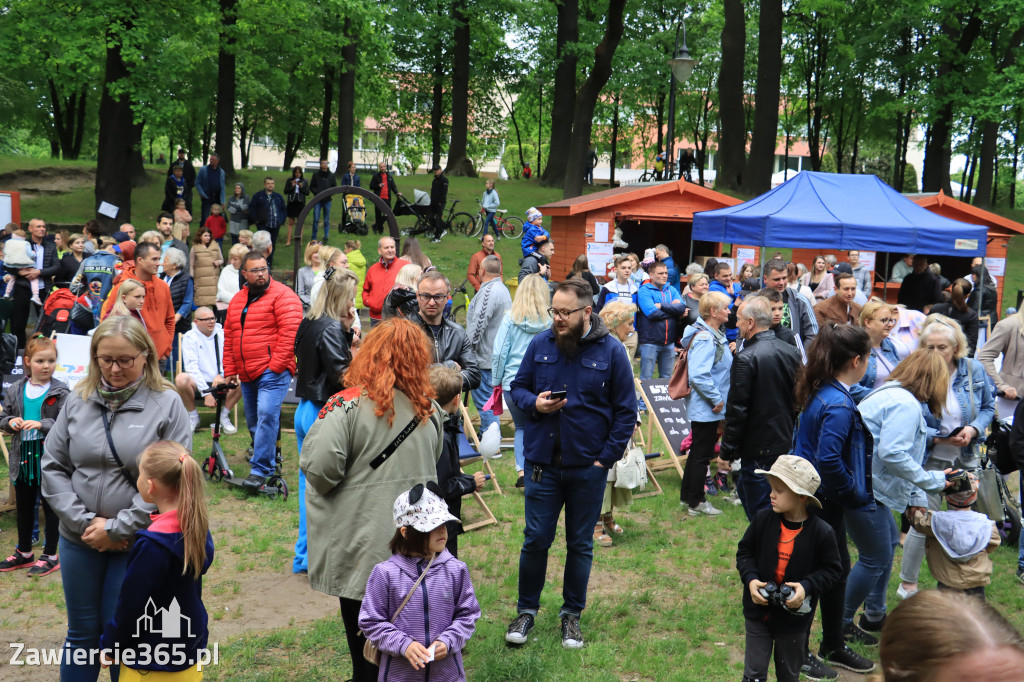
(832, 210)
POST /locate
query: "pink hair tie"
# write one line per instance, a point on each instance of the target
(181, 458)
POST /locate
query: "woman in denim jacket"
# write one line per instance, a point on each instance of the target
(709, 362)
(877, 319)
(969, 405)
(832, 436)
(895, 416)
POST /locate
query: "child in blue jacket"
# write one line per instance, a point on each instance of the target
(533, 231)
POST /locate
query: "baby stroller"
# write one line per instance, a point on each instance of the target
(419, 208)
(356, 212)
(994, 497)
(56, 315)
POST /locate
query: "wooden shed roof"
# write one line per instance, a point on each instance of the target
(618, 196)
(959, 210)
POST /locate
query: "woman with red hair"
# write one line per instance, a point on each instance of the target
(371, 442)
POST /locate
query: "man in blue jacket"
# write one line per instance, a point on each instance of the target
(267, 212)
(210, 184)
(657, 322)
(723, 283)
(570, 442)
(662, 254)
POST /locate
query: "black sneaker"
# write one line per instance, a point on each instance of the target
(16, 561)
(814, 669)
(849, 659)
(572, 636)
(852, 633)
(521, 481)
(519, 629)
(253, 482)
(870, 625)
(1020, 574)
(45, 566)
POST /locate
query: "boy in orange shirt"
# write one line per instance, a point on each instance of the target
(786, 559)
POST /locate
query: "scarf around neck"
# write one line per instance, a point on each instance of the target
(116, 397)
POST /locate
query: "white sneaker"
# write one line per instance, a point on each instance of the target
(193, 420)
(903, 592)
(226, 426)
(704, 508)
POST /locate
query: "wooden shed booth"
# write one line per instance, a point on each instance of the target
(652, 214)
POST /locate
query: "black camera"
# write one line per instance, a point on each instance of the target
(778, 595)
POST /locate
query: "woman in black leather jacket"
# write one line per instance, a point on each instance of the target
(323, 351)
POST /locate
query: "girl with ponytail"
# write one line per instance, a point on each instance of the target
(165, 573)
(832, 436)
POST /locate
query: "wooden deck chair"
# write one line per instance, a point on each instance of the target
(468, 455)
(469, 433)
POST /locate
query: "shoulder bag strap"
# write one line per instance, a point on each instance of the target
(110, 441)
(390, 450)
(415, 585)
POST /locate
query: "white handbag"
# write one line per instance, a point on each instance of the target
(631, 470)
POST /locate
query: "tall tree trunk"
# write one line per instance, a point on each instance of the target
(226, 88)
(140, 177)
(459, 163)
(969, 184)
(986, 163)
(292, 144)
(114, 147)
(76, 148)
(437, 111)
(208, 127)
(243, 138)
(732, 137)
(935, 174)
(1016, 156)
(347, 100)
(760, 165)
(586, 99)
(615, 141)
(659, 122)
(325, 119)
(563, 101)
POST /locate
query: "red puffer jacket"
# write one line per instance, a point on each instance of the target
(266, 338)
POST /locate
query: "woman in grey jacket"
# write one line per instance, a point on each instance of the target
(121, 406)
(238, 212)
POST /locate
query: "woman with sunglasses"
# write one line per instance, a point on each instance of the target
(90, 468)
(877, 319)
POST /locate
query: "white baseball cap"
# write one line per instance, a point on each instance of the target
(798, 474)
(422, 508)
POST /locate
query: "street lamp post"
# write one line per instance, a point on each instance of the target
(682, 66)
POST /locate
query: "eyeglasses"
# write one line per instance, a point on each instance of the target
(257, 271)
(886, 320)
(564, 314)
(205, 319)
(126, 362)
(436, 298)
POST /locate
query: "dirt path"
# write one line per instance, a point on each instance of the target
(47, 181)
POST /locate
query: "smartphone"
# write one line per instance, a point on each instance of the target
(954, 432)
(557, 395)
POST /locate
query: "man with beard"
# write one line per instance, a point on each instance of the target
(576, 386)
(259, 352)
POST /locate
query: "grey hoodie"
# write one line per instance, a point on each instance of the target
(238, 211)
(484, 316)
(81, 479)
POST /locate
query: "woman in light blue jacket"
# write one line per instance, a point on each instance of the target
(969, 406)
(895, 416)
(527, 317)
(490, 203)
(709, 361)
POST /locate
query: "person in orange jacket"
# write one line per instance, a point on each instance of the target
(157, 310)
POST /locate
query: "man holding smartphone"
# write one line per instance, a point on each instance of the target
(576, 387)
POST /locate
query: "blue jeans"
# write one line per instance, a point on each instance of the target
(305, 415)
(875, 534)
(519, 419)
(92, 583)
(489, 222)
(664, 356)
(326, 206)
(262, 401)
(481, 394)
(753, 489)
(580, 491)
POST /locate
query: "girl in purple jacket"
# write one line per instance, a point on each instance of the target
(424, 639)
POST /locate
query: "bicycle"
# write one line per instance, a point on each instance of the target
(459, 308)
(507, 227)
(454, 222)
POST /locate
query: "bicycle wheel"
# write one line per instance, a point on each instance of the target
(474, 229)
(461, 223)
(513, 227)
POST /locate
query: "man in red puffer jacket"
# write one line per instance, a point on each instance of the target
(259, 351)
